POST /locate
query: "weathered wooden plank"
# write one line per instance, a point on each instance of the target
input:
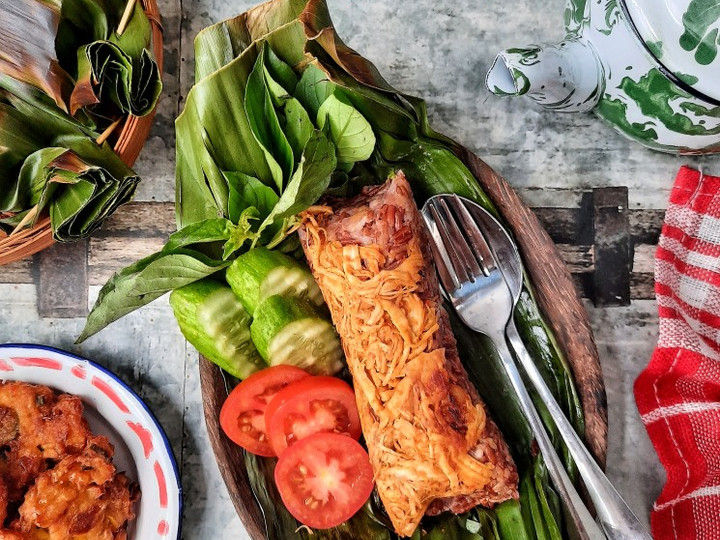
(644, 259)
(562, 224)
(107, 255)
(642, 286)
(579, 259)
(62, 280)
(645, 225)
(17, 272)
(142, 228)
(611, 279)
(141, 219)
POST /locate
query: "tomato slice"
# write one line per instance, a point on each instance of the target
(313, 405)
(242, 416)
(324, 479)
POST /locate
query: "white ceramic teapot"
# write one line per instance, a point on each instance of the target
(650, 68)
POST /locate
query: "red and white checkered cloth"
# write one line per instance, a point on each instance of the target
(678, 394)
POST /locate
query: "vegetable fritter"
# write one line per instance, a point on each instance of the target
(57, 479)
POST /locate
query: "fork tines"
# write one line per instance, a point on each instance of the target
(457, 241)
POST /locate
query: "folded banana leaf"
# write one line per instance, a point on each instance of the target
(67, 71)
(116, 69)
(48, 162)
(132, 85)
(70, 50)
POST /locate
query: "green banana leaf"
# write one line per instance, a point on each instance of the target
(28, 52)
(65, 75)
(219, 44)
(69, 49)
(132, 85)
(48, 161)
(116, 75)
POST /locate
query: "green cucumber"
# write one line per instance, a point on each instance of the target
(288, 330)
(214, 321)
(261, 273)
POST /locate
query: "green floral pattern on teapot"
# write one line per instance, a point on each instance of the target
(606, 65)
(702, 30)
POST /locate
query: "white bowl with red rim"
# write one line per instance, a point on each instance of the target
(112, 409)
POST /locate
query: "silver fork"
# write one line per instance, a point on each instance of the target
(615, 516)
(479, 294)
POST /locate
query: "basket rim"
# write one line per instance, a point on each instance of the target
(131, 130)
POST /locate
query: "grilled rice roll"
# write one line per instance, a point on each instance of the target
(431, 444)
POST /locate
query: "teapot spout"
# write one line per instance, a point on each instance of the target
(565, 77)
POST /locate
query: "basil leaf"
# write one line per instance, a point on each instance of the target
(265, 125)
(298, 126)
(348, 129)
(279, 72)
(247, 191)
(313, 88)
(241, 232)
(113, 302)
(208, 230)
(146, 280)
(173, 271)
(309, 181)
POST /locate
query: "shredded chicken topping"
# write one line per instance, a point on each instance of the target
(430, 442)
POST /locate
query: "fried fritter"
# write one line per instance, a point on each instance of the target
(36, 426)
(12, 535)
(57, 479)
(81, 498)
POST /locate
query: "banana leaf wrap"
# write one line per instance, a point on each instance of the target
(116, 74)
(70, 49)
(273, 86)
(48, 162)
(131, 85)
(28, 54)
(66, 74)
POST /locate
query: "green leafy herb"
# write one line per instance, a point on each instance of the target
(352, 134)
(246, 192)
(309, 181)
(313, 89)
(242, 232)
(139, 284)
(265, 124)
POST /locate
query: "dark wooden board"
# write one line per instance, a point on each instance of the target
(556, 295)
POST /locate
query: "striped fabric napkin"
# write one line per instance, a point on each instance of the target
(678, 394)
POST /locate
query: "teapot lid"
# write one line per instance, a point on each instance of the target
(683, 36)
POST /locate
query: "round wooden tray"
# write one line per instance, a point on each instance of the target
(131, 136)
(556, 295)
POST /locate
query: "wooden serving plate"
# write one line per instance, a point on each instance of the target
(556, 295)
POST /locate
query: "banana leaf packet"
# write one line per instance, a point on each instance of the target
(59, 90)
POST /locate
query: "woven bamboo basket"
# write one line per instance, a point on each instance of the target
(127, 139)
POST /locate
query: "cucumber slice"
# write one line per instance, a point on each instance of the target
(292, 331)
(214, 321)
(261, 273)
